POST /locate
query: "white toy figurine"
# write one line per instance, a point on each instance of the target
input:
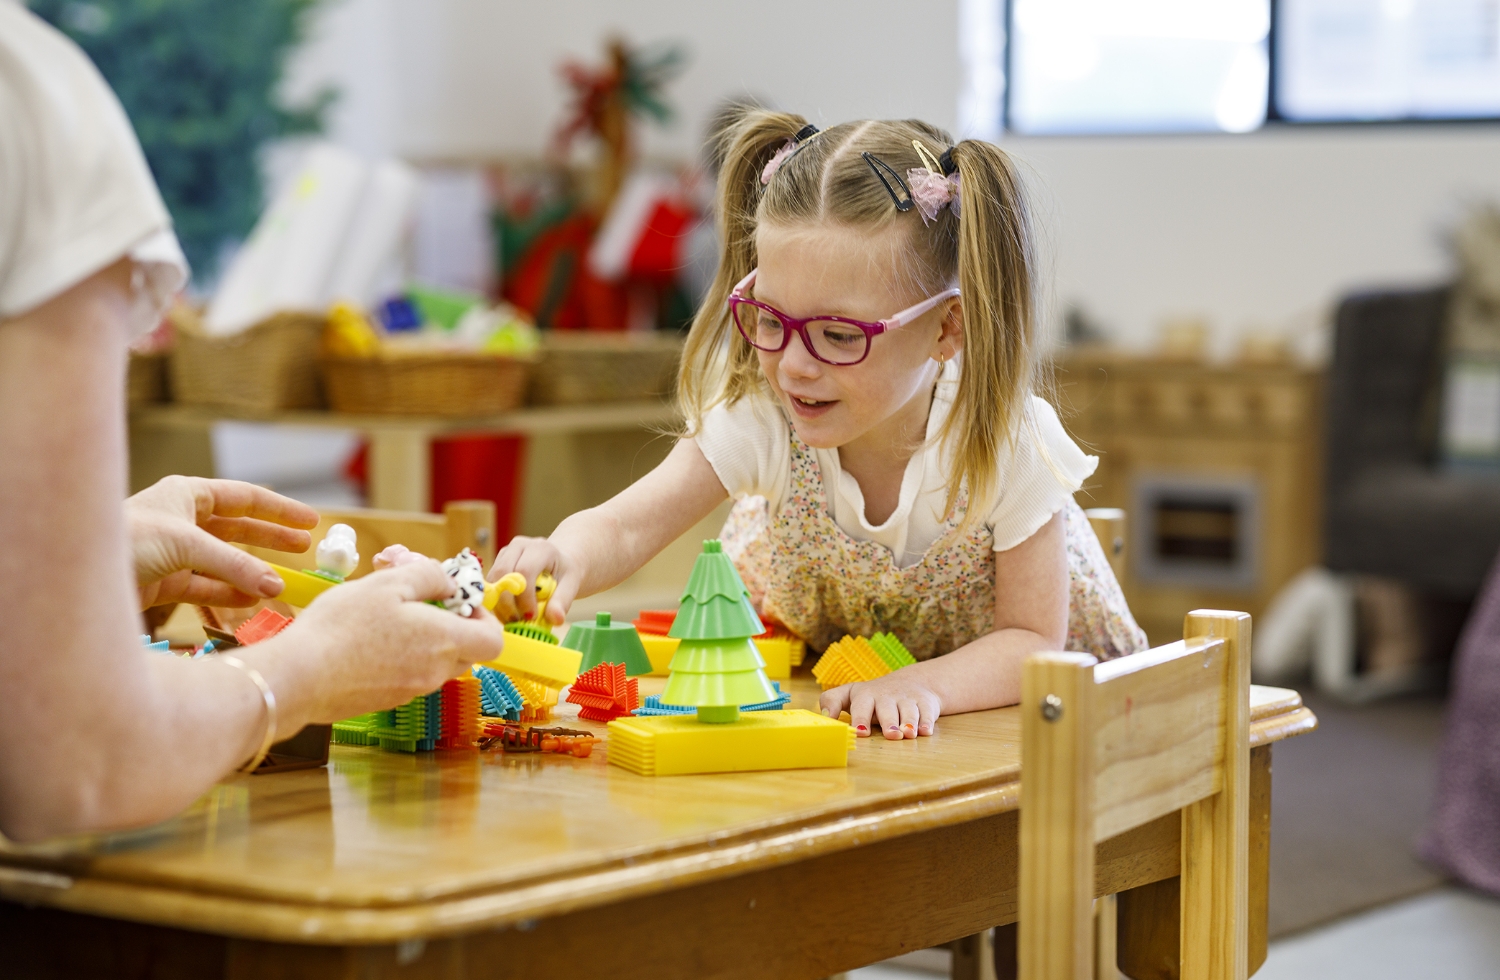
(337, 554)
(468, 575)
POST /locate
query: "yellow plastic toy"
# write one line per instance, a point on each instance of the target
(777, 651)
(514, 583)
(301, 588)
(545, 663)
(855, 658)
(674, 745)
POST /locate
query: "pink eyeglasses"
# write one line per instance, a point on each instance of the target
(835, 340)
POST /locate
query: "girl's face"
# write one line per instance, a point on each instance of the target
(806, 270)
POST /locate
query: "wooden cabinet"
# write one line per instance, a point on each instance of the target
(1218, 468)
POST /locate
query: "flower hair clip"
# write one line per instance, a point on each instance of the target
(792, 146)
(934, 186)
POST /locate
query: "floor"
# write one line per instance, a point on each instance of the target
(1447, 932)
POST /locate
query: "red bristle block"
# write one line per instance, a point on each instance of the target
(262, 626)
(656, 621)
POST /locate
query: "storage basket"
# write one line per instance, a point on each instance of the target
(579, 368)
(449, 383)
(270, 366)
(146, 379)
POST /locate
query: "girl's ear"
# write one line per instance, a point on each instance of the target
(950, 338)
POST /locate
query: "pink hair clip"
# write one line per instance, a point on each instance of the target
(933, 192)
(774, 164)
(932, 188)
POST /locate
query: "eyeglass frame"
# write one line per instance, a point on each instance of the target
(798, 325)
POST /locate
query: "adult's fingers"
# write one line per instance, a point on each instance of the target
(234, 498)
(262, 534)
(208, 556)
(199, 591)
(419, 581)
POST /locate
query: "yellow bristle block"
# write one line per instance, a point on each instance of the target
(544, 663)
(672, 745)
(849, 660)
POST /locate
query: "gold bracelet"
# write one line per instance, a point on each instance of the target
(269, 698)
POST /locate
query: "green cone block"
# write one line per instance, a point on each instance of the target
(717, 667)
(606, 642)
(715, 605)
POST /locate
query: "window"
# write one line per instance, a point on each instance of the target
(1346, 60)
(1101, 66)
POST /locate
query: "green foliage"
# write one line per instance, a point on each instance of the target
(198, 79)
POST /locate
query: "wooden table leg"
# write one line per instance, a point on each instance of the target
(974, 957)
(1149, 916)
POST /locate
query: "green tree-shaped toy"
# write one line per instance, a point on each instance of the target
(717, 667)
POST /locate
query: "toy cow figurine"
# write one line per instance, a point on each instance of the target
(468, 577)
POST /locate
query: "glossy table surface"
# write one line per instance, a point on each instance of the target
(381, 847)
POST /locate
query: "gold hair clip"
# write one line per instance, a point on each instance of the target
(928, 160)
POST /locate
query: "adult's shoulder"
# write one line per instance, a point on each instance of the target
(77, 194)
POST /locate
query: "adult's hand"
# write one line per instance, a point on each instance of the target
(376, 642)
(179, 529)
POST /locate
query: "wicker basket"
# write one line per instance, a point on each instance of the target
(450, 383)
(270, 366)
(580, 368)
(146, 379)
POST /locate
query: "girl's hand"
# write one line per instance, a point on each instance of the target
(374, 643)
(531, 557)
(178, 532)
(902, 705)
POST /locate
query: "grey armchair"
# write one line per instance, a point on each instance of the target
(1389, 510)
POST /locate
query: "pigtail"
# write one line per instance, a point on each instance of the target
(996, 259)
(713, 367)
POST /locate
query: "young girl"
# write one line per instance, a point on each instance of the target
(893, 470)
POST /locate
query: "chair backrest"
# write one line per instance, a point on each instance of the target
(462, 524)
(1106, 747)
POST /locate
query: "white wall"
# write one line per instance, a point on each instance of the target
(1260, 229)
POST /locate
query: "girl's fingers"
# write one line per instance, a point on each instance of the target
(834, 701)
(562, 598)
(861, 705)
(910, 716)
(927, 724)
(888, 716)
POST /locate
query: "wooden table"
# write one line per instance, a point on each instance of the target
(485, 864)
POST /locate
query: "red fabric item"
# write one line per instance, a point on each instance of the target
(481, 468)
(658, 254)
(262, 626)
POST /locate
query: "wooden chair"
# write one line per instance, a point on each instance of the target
(462, 524)
(1107, 747)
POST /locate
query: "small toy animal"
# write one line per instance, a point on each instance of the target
(337, 554)
(468, 575)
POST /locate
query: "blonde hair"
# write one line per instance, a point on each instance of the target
(988, 252)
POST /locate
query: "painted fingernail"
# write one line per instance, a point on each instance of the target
(825, 713)
(271, 585)
(860, 728)
(906, 728)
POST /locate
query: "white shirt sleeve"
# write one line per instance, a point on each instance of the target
(76, 194)
(1043, 471)
(748, 445)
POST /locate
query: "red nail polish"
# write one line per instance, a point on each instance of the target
(860, 728)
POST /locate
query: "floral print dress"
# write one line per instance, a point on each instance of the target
(804, 571)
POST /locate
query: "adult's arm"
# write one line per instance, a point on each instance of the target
(97, 733)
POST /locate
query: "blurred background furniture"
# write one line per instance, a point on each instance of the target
(1217, 466)
(1390, 511)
